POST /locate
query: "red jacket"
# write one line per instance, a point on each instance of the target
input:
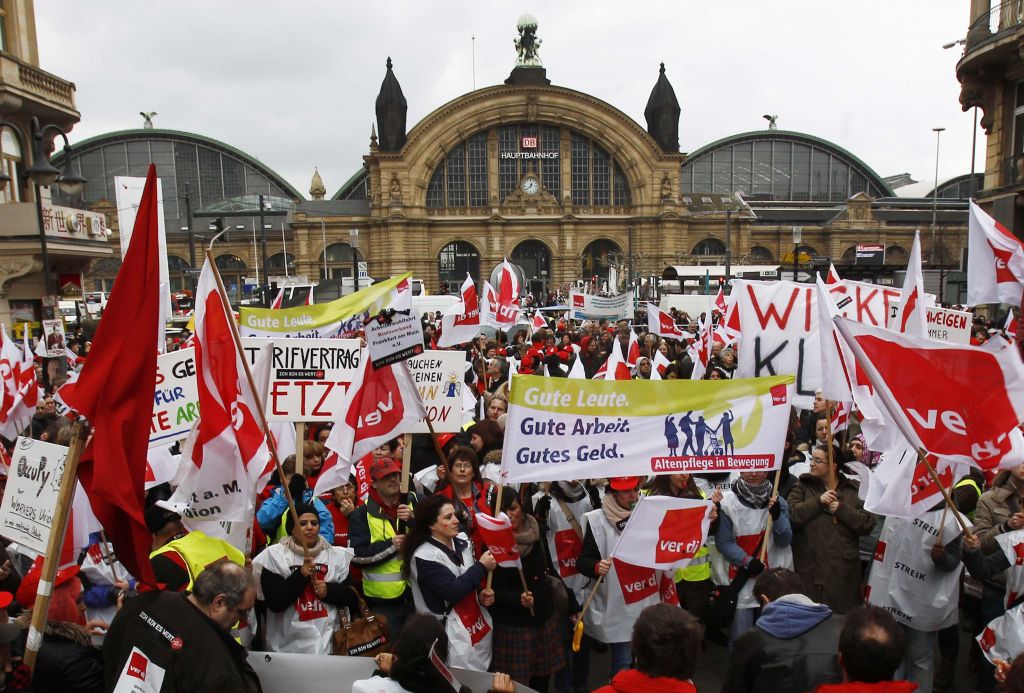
(635, 681)
(859, 687)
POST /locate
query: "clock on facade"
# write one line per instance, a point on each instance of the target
(530, 185)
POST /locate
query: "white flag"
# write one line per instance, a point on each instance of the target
(995, 261)
(664, 532)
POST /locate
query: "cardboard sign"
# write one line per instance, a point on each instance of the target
(176, 399)
(944, 324)
(394, 340)
(438, 377)
(308, 377)
(53, 336)
(591, 307)
(26, 513)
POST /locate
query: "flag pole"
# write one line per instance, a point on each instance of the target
(923, 457)
(577, 635)
(833, 472)
(271, 441)
(522, 579)
(51, 559)
(497, 509)
(300, 455)
(768, 526)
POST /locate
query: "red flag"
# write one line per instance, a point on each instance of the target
(833, 276)
(958, 402)
(661, 323)
(995, 261)
(538, 321)
(500, 539)
(461, 323)
(115, 392)
(18, 385)
(720, 304)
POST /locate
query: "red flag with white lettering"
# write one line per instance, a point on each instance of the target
(661, 324)
(995, 261)
(500, 539)
(380, 404)
(461, 323)
(664, 532)
(962, 403)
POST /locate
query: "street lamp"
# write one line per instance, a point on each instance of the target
(44, 174)
(935, 202)
(353, 237)
(797, 238)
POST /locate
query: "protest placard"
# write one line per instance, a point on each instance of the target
(308, 377)
(30, 499)
(438, 377)
(176, 399)
(944, 324)
(591, 307)
(394, 339)
(341, 318)
(53, 336)
(560, 428)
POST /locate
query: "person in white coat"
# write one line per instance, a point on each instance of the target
(447, 583)
(304, 592)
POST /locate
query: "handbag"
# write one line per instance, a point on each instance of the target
(724, 598)
(361, 637)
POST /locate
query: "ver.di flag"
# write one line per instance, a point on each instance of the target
(380, 404)
(664, 532)
(933, 391)
(562, 428)
(995, 261)
(1003, 638)
(461, 322)
(500, 539)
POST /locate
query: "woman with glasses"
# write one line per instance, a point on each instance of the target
(828, 518)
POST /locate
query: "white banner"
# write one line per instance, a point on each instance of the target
(560, 428)
(439, 378)
(591, 307)
(176, 399)
(944, 324)
(308, 377)
(30, 499)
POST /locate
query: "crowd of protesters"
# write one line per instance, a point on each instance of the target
(789, 605)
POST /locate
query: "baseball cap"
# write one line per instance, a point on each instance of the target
(384, 467)
(623, 483)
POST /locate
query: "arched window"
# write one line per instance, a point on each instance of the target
(281, 264)
(759, 255)
(709, 246)
(895, 255)
(176, 267)
(460, 180)
(850, 255)
(103, 273)
(232, 271)
(535, 260)
(11, 163)
(339, 261)
(453, 263)
(596, 179)
(544, 159)
(598, 258)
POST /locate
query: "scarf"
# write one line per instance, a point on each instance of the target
(616, 515)
(528, 536)
(753, 496)
(289, 543)
(572, 493)
(389, 510)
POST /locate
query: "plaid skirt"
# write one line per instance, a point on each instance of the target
(524, 651)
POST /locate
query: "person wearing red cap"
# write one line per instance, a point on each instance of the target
(610, 617)
(376, 538)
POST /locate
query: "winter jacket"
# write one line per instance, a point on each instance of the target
(826, 553)
(197, 655)
(271, 513)
(859, 687)
(791, 648)
(995, 507)
(67, 661)
(634, 681)
(507, 609)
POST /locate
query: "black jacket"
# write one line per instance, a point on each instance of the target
(198, 656)
(67, 661)
(508, 589)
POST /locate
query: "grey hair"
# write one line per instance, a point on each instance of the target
(225, 577)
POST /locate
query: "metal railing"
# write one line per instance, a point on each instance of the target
(1000, 17)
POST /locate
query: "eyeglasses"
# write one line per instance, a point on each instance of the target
(463, 466)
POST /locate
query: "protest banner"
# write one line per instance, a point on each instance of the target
(341, 318)
(560, 429)
(944, 324)
(438, 377)
(176, 399)
(394, 339)
(308, 377)
(778, 327)
(30, 500)
(591, 307)
(53, 337)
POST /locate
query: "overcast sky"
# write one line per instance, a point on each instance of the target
(293, 84)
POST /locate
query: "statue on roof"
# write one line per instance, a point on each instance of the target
(147, 119)
(527, 43)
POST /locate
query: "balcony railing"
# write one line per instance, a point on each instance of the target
(1000, 17)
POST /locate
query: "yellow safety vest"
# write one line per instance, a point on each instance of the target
(968, 481)
(384, 580)
(199, 551)
(699, 568)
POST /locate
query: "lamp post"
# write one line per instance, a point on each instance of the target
(44, 174)
(264, 205)
(194, 279)
(797, 237)
(353, 237)
(728, 246)
(935, 200)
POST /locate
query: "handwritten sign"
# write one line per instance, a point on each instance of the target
(438, 377)
(26, 513)
(176, 398)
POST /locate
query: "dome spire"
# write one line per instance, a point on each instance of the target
(391, 110)
(662, 114)
(316, 186)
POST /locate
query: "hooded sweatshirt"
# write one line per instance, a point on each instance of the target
(635, 681)
(791, 616)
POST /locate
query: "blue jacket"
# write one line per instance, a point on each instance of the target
(269, 514)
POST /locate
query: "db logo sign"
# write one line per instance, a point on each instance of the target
(528, 143)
